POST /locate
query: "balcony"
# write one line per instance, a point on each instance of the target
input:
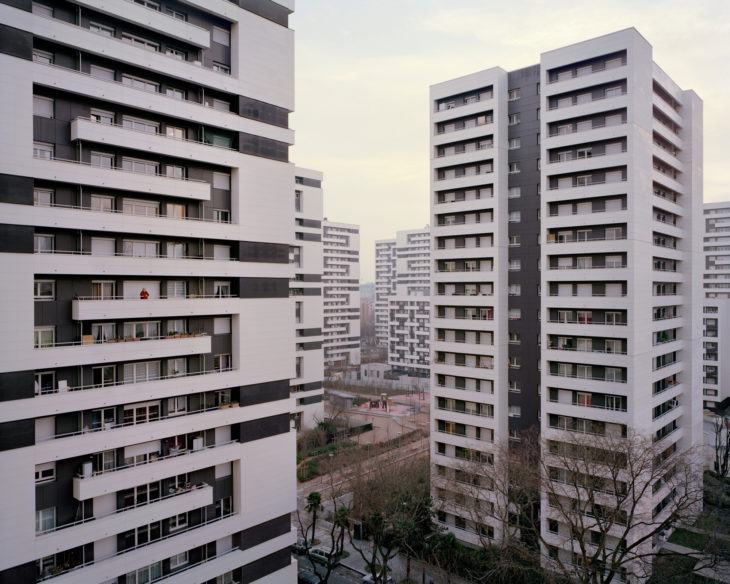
(127, 476)
(72, 171)
(90, 131)
(90, 308)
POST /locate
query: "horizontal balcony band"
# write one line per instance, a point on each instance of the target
(118, 307)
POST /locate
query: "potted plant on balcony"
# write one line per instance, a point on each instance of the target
(234, 404)
(225, 405)
(199, 333)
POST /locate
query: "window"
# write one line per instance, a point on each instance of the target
(42, 106)
(514, 314)
(45, 382)
(175, 250)
(514, 217)
(223, 507)
(174, 132)
(299, 367)
(221, 181)
(43, 197)
(222, 362)
(42, 10)
(140, 42)
(298, 196)
(182, 558)
(148, 573)
(552, 525)
(101, 73)
(175, 288)
(141, 249)
(513, 167)
(175, 93)
(140, 166)
(103, 246)
(102, 159)
(45, 472)
(42, 150)
(103, 332)
(141, 371)
(514, 289)
(222, 289)
(139, 83)
(514, 143)
(101, 29)
(140, 125)
(513, 119)
(101, 116)
(45, 520)
(149, 4)
(175, 210)
(44, 336)
(101, 290)
(141, 413)
(221, 68)
(176, 326)
(177, 405)
(43, 243)
(221, 325)
(514, 240)
(514, 412)
(178, 54)
(178, 522)
(221, 36)
(104, 376)
(141, 208)
(221, 252)
(42, 57)
(176, 367)
(513, 94)
(218, 104)
(514, 193)
(221, 216)
(172, 171)
(218, 139)
(142, 330)
(298, 312)
(614, 261)
(177, 15)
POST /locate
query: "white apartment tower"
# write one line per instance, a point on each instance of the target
(146, 200)
(384, 287)
(716, 317)
(306, 287)
(595, 154)
(409, 304)
(341, 289)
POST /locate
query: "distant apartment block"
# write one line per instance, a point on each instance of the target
(306, 289)
(409, 304)
(716, 311)
(566, 223)
(384, 288)
(341, 289)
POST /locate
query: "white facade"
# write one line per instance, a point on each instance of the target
(341, 289)
(384, 287)
(409, 305)
(306, 255)
(716, 317)
(146, 197)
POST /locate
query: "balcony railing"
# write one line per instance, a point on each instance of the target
(562, 131)
(121, 212)
(577, 349)
(158, 256)
(586, 184)
(45, 345)
(469, 411)
(571, 321)
(574, 376)
(589, 404)
(569, 156)
(602, 97)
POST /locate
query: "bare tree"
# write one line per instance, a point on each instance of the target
(721, 427)
(606, 501)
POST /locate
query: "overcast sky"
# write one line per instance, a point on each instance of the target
(364, 68)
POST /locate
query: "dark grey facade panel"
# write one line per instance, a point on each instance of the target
(16, 43)
(262, 428)
(268, 10)
(309, 277)
(309, 222)
(263, 112)
(312, 399)
(263, 147)
(16, 385)
(256, 251)
(263, 288)
(311, 346)
(26, 5)
(21, 573)
(259, 393)
(16, 238)
(266, 565)
(309, 236)
(265, 531)
(17, 434)
(309, 332)
(312, 385)
(308, 182)
(16, 189)
(312, 292)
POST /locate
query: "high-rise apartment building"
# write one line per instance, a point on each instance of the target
(716, 317)
(566, 203)
(409, 303)
(384, 288)
(146, 201)
(306, 287)
(341, 288)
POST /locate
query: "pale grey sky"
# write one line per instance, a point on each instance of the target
(364, 68)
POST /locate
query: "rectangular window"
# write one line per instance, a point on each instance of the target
(102, 117)
(218, 104)
(103, 332)
(175, 93)
(149, 4)
(222, 362)
(42, 57)
(43, 150)
(140, 166)
(102, 290)
(221, 181)
(101, 29)
(514, 217)
(178, 54)
(172, 171)
(141, 208)
(175, 132)
(176, 326)
(514, 193)
(139, 83)
(45, 520)
(45, 472)
(514, 143)
(101, 73)
(45, 382)
(42, 10)
(42, 106)
(142, 330)
(221, 216)
(103, 246)
(141, 249)
(221, 36)
(175, 288)
(44, 336)
(513, 167)
(102, 159)
(43, 243)
(176, 405)
(298, 196)
(140, 42)
(140, 125)
(176, 14)
(222, 289)
(513, 94)
(513, 119)
(140, 372)
(221, 68)
(221, 325)
(175, 210)
(43, 197)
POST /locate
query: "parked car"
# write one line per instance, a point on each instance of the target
(369, 579)
(300, 548)
(307, 577)
(322, 556)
